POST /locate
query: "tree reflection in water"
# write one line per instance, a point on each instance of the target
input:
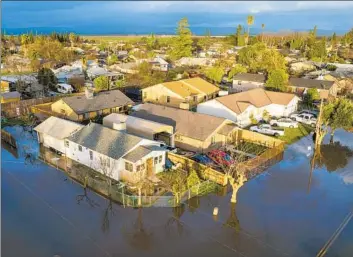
(233, 221)
(334, 156)
(140, 238)
(84, 196)
(108, 213)
(174, 222)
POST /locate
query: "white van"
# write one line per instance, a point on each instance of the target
(64, 88)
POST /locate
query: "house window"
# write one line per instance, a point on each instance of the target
(213, 140)
(62, 111)
(168, 99)
(67, 144)
(239, 82)
(99, 112)
(195, 98)
(120, 109)
(90, 155)
(128, 166)
(86, 115)
(205, 98)
(155, 160)
(80, 148)
(144, 94)
(138, 168)
(160, 158)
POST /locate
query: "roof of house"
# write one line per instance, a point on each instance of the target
(109, 142)
(226, 129)
(10, 95)
(136, 154)
(257, 97)
(58, 128)
(191, 87)
(190, 124)
(103, 100)
(250, 77)
(311, 83)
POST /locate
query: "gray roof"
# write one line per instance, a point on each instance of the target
(9, 95)
(190, 124)
(103, 100)
(311, 83)
(250, 77)
(137, 154)
(109, 142)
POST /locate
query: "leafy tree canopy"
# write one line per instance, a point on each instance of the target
(277, 80)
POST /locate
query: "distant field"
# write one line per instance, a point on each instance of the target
(127, 37)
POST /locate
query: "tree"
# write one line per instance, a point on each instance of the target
(239, 36)
(215, 74)
(192, 179)
(334, 156)
(262, 28)
(182, 43)
(238, 68)
(250, 22)
(46, 77)
(72, 38)
(338, 113)
(266, 115)
(277, 80)
(311, 95)
(101, 83)
(175, 181)
(252, 119)
(334, 40)
(205, 42)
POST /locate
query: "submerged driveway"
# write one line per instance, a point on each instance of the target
(277, 214)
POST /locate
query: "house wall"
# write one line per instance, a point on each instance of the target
(9, 100)
(246, 85)
(62, 108)
(5, 86)
(159, 93)
(217, 109)
(49, 141)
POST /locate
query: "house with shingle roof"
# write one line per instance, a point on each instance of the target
(325, 88)
(115, 153)
(192, 131)
(239, 107)
(90, 105)
(185, 93)
(247, 81)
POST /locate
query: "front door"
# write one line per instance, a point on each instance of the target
(149, 167)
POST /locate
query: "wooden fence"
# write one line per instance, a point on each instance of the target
(8, 138)
(43, 111)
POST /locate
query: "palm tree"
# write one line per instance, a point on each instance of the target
(262, 27)
(250, 21)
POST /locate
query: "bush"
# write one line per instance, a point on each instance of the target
(193, 179)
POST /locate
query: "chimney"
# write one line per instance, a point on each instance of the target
(89, 93)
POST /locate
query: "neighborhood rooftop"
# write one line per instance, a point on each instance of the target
(58, 128)
(109, 142)
(186, 123)
(137, 154)
(103, 100)
(250, 77)
(257, 97)
(311, 83)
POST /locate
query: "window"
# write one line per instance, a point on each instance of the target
(168, 99)
(138, 168)
(80, 148)
(67, 144)
(144, 94)
(195, 98)
(62, 111)
(120, 109)
(213, 140)
(90, 155)
(108, 163)
(160, 158)
(86, 115)
(239, 82)
(128, 166)
(155, 160)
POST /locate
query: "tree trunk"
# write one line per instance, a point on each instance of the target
(139, 200)
(331, 136)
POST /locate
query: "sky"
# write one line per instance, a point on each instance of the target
(161, 17)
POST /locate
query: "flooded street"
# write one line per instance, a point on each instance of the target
(280, 213)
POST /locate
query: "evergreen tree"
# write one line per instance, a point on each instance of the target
(182, 43)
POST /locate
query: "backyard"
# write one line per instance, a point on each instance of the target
(292, 135)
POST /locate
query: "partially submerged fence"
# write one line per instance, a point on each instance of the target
(8, 138)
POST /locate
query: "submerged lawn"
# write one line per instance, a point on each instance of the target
(292, 135)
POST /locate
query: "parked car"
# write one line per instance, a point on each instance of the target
(202, 158)
(311, 112)
(268, 130)
(306, 118)
(220, 157)
(64, 88)
(284, 122)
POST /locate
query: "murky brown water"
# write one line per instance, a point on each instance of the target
(276, 213)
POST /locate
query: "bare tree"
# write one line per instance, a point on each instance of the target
(108, 213)
(106, 167)
(84, 196)
(141, 182)
(175, 182)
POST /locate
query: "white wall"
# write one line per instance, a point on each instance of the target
(215, 108)
(158, 91)
(49, 141)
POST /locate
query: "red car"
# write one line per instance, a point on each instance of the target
(220, 157)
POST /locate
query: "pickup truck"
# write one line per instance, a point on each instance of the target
(268, 130)
(305, 118)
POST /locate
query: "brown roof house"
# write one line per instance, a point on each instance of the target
(247, 81)
(325, 88)
(88, 106)
(239, 107)
(184, 94)
(192, 131)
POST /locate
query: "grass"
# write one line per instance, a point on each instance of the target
(13, 122)
(251, 148)
(292, 135)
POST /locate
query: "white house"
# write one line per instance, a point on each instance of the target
(114, 153)
(247, 81)
(239, 107)
(158, 63)
(52, 132)
(195, 61)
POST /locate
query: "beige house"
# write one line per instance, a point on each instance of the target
(192, 131)
(184, 94)
(88, 106)
(325, 88)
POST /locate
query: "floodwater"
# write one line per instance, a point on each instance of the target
(277, 214)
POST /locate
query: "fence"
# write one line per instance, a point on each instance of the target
(44, 111)
(8, 138)
(256, 138)
(204, 171)
(117, 192)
